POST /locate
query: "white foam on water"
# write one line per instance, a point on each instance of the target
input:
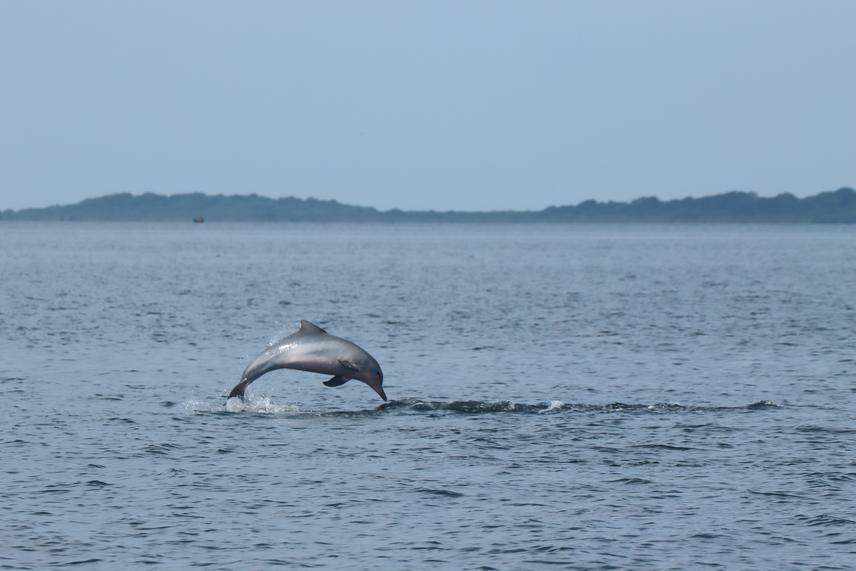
(254, 404)
(553, 406)
(259, 404)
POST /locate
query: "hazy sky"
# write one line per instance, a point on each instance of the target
(460, 104)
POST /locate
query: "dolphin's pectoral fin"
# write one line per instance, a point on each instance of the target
(348, 365)
(336, 381)
(309, 327)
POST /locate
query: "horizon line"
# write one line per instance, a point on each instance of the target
(430, 210)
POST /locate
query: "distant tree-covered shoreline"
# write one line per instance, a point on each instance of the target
(837, 206)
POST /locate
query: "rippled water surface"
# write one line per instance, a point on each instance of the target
(602, 396)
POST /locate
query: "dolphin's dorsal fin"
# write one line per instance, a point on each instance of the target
(309, 327)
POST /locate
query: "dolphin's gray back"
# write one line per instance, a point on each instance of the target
(307, 352)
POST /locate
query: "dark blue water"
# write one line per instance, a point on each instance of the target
(576, 396)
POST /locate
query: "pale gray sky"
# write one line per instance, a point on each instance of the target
(435, 104)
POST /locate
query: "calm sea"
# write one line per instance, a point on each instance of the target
(581, 397)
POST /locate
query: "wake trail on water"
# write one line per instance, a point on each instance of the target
(557, 406)
(266, 405)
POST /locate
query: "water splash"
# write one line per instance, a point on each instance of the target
(252, 404)
(554, 406)
(259, 405)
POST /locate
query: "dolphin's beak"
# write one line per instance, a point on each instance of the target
(379, 390)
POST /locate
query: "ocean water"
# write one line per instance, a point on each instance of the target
(580, 397)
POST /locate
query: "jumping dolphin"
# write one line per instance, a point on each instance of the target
(313, 349)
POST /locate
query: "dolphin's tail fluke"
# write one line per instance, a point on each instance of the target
(239, 389)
